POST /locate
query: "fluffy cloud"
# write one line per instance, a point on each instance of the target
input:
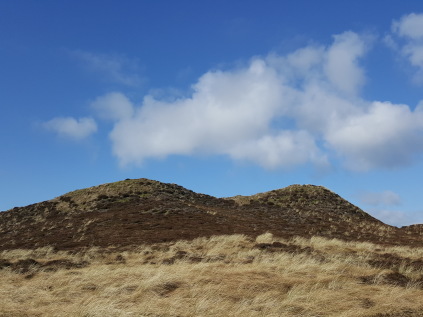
(288, 148)
(410, 28)
(229, 113)
(69, 127)
(277, 111)
(113, 106)
(341, 65)
(383, 134)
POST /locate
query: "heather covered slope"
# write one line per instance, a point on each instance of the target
(133, 212)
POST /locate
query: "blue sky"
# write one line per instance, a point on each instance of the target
(221, 97)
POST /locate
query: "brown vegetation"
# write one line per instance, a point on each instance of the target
(144, 248)
(217, 276)
(134, 212)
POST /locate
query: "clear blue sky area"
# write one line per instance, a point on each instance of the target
(221, 97)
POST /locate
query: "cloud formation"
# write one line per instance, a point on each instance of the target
(113, 106)
(410, 26)
(341, 65)
(72, 128)
(229, 113)
(410, 29)
(276, 111)
(381, 135)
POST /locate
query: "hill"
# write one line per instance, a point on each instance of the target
(144, 248)
(138, 211)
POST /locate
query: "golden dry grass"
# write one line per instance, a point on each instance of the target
(218, 276)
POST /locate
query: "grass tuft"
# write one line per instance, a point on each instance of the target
(217, 276)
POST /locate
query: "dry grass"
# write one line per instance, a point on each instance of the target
(218, 276)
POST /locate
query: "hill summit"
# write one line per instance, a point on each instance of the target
(142, 211)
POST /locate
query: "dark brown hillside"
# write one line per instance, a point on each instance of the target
(308, 201)
(134, 212)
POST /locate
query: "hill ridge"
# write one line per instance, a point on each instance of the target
(137, 211)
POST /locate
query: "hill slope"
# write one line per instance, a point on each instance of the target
(140, 211)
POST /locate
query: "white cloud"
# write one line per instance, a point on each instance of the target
(385, 198)
(410, 28)
(384, 134)
(341, 62)
(69, 127)
(299, 66)
(277, 111)
(113, 67)
(113, 106)
(414, 52)
(288, 148)
(227, 111)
